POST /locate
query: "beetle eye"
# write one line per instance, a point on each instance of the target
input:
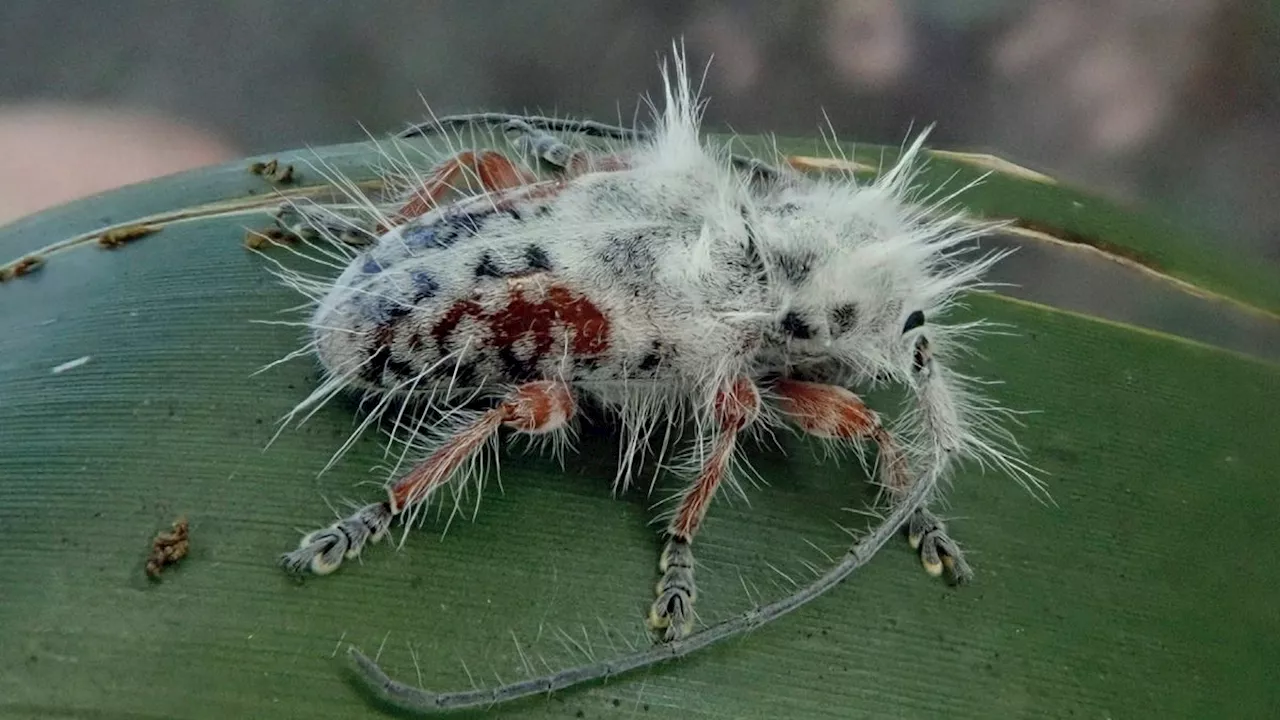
(914, 320)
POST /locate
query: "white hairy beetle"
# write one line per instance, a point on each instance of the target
(668, 282)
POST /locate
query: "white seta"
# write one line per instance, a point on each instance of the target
(708, 267)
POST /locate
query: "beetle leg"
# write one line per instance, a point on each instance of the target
(494, 171)
(533, 408)
(833, 412)
(737, 404)
(551, 149)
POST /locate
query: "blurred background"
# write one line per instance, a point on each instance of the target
(1171, 104)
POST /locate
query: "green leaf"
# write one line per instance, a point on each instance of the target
(1146, 591)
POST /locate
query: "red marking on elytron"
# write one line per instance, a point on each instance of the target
(826, 410)
(443, 329)
(535, 308)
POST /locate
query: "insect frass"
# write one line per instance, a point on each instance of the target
(653, 274)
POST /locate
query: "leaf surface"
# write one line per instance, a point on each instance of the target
(1146, 591)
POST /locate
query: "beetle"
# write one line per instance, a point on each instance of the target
(669, 282)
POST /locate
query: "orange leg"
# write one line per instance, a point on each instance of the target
(582, 163)
(496, 173)
(829, 411)
(494, 170)
(671, 615)
(546, 146)
(534, 408)
(736, 406)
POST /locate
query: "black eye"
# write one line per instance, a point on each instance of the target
(795, 267)
(914, 320)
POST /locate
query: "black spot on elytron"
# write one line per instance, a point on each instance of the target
(844, 318)
(914, 320)
(795, 327)
(921, 356)
(381, 359)
(464, 371)
(630, 257)
(464, 374)
(446, 230)
(425, 286)
(517, 368)
(422, 236)
(657, 355)
(374, 308)
(795, 268)
(537, 258)
(378, 308)
(382, 362)
(487, 268)
(467, 223)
